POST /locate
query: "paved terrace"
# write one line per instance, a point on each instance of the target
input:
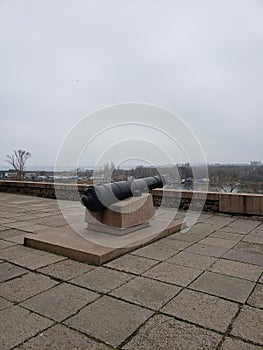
(197, 290)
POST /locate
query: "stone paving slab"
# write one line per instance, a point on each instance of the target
(192, 260)
(132, 263)
(34, 228)
(204, 228)
(165, 333)
(239, 255)
(17, 239)
(9, 271)
(208, 250)
(236, 269)
(238, 230)
(110, 320)
(2, 228)
(253, 239)
(21, 217)
(60, 302)
(52, 221)
(6, 244)
(161, 250)
(4, 303)
(27, 257)
(146, 292)
(102, 280)
(248, 324)
(218, 242)
(257, 232)
(180, 275)
(241, 223)
(66, 269)
(236, 237)
(223, 286)
(25, 226)
(6, 221)
(250, 247)
(203, 309)
(21, 288)
(191, 237)
(256, 298)
(10, 233)
(17, 325)
(236, 344)
(62, 338)
(220, 220)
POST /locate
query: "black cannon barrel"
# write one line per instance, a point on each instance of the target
(101, 196)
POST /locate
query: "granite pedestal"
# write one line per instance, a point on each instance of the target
(122, 217)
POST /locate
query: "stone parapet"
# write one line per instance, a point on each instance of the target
(249, 204)
(233, 203)
(43, 189)
(183, 199)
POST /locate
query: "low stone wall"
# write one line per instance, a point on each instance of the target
(232, 203)
(209, 201)
(43, 189)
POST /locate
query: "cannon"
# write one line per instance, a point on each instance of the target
(99, 197)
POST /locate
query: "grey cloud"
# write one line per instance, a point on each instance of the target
(61, 60)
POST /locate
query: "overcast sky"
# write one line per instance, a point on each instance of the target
(201, 60)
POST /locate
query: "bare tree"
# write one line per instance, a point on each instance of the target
(18, 161)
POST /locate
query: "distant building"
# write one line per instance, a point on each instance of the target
(3, 174)
(30, 176)
(7, 174)
(255, 163)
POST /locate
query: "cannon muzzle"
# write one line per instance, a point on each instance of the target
(101, 196)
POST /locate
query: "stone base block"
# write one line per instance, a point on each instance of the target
(116, 230)
(80, 246)
(128, 213)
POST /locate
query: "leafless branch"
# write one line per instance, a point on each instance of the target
(18, 161)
